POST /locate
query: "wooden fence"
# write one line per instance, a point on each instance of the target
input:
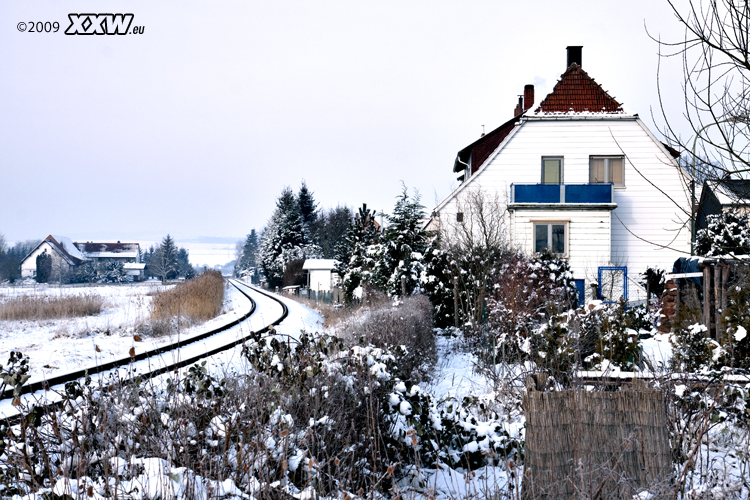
(716, 275)
(594, 444)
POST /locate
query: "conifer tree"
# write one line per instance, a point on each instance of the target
(358, 253)
(308, 209)
(285, 238)
(164, 260)
(406, 242)
(246, 262)
(43, 267)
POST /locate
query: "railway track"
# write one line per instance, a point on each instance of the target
(58, 382)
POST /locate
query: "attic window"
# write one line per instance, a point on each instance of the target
(606, 169)
(460, 217)
(552, 169)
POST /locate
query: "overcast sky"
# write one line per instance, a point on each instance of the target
(195, 126)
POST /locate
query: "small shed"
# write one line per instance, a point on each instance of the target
(321, 275)
(135, 269)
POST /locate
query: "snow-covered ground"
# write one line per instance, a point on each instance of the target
(60, 346)
(455, 377)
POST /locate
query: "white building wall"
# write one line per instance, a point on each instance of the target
(320, 280)
(649, 227)
(588, 236)
(28, 266)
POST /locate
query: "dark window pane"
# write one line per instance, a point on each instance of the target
(558, 238)
(540, 237)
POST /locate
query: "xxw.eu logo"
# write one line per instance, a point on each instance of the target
(102, 24)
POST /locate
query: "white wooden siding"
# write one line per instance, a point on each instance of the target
(588, 238)
(649, 227)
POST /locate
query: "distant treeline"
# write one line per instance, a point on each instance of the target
(11, 257)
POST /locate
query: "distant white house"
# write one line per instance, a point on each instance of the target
(66, 255)
(579, 176)
(321, 275)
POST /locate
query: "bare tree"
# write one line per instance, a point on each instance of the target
(476, 238)
(715, 53)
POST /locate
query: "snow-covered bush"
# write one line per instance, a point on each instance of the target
(408, 324)
(527, 292)
(609, 336)
(692, 349)
(736, 318)
(727, 233)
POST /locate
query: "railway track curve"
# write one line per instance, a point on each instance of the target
(246, 290)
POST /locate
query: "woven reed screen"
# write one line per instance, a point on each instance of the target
(618, 442)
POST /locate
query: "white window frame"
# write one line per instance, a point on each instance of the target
(562, 169)
(607, 169)
(549, 224)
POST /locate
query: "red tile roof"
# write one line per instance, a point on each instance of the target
(478, 151)
(578, 92)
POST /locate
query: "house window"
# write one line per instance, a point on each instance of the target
(551, 236)
(552, 170)
(606, 169)
(460, 217)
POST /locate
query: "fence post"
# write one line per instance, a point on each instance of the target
(455, 302)
(707, 297)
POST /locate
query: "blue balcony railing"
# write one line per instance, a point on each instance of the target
(562, 193)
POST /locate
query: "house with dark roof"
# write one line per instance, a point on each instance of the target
(721, 195)
(63, 252)
(581, 176)
(66, 255)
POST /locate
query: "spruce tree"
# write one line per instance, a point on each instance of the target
(246, 262)
(285, 238)
(164, 260)
(357, 253)
(406, 242)
(308, 209)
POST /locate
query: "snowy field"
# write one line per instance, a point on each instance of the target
(59, 346)
(202, 253)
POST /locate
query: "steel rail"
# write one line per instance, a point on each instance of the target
(47, 384)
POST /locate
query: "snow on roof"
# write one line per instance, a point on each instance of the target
(102, 249)
(319, 264)
(69, 247)
(134, 265)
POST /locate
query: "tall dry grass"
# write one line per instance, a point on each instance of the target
(33, 307)
(196, 300)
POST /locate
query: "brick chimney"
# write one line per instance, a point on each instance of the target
(574, 55)
(519, 106)
(528, 97)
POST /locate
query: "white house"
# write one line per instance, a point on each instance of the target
(66, 255)
(581, 176)
(320, 274)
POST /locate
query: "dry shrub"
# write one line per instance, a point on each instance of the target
(31, 307)
(196, 300)
(408, 324)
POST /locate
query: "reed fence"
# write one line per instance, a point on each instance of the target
(603, 445)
